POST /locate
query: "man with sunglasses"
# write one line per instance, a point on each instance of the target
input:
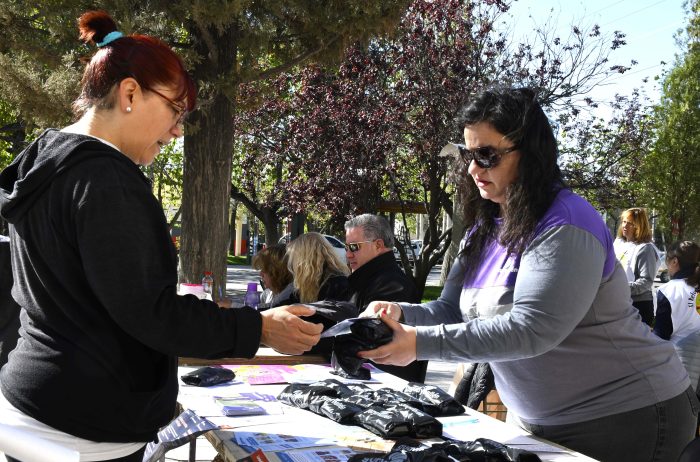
(376, 276)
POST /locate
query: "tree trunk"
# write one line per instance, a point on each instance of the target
(457, 234)
(207, 168)
(272, 221)
(205, 194)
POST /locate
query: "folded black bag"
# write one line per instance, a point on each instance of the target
(302, 395)
(383, 422)
(208, 376)
(434, 397)
(365, 334)
(329, 313)
(340, 410)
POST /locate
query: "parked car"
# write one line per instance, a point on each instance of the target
(662, 272)
(337, 244)
(415, 247)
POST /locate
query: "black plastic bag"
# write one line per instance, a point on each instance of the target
(365, 334)
(479, 450)
(208, 376)
(486, 450)
(399, 420)
(341, 389)
(383, 422)
(435, 396)
(302, 395)
(340, 410)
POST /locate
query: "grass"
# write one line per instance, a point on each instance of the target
(236, 260)
(431, 293)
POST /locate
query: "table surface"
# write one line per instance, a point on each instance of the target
(329, 435)
(265, 355)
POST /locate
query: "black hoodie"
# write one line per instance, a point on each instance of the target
(95, 273)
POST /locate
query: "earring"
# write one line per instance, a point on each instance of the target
(128, 109)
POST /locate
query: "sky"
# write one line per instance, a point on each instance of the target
(649, 26)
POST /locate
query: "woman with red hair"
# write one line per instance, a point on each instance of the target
(95, 270)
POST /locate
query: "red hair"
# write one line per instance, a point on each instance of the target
(150, 61)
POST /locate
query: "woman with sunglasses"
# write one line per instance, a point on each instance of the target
(639, 258)
(537, 292)
(677, 317)
(95, 270)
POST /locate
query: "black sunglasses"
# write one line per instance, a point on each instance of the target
(355, 246)
(484, 156)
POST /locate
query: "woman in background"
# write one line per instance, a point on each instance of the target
(639, 258)
(275, 277)
(321, 279)
(677, 318)
(317, 272)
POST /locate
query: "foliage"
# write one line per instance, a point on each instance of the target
(237, 260)
(339, 141)
(224, 44)
(166, 174)
(670, 175)
(601, 158)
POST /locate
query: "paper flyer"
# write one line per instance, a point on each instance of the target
(316, 455)
(250, 441)
(265, 374)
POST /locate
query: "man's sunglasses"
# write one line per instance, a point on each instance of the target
(355, 246)
(485, 156)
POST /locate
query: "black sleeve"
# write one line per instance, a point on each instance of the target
(663, 326)
(135, 277)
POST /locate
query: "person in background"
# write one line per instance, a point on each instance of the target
(95, 270)
(677, 317)
(639, 258)
(275, 278)
(537, 292)
(376, 276)
(317, 272)
(321, 280)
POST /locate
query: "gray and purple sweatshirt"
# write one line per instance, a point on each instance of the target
(556, 324)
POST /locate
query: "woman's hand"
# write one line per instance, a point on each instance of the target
(400, 351)
(284, 331)
(390, 309)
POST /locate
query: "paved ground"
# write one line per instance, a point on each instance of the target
(238, 277)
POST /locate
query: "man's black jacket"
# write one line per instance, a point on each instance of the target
(382, 279)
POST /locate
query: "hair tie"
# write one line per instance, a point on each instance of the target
(109, 38)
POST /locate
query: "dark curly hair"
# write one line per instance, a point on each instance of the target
(273, 261)
(515, 113)
(688, 255)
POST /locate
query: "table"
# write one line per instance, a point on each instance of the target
(329, 436)
(265, 355)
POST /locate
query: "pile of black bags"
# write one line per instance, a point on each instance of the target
(386, 412)
(479, 450)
